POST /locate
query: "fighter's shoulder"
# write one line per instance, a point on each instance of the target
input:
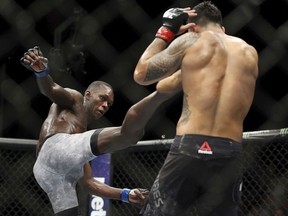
(243, 45)
(248, 49)
(241, 42)
(74, 93)
(208, 39)
(188, 38)
(72, 90)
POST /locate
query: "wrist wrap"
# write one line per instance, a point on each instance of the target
(43, 73)
(165, 33)
(125, 195)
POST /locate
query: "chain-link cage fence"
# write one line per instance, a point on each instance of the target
(103, 40)
(19, 192)
(265, 188)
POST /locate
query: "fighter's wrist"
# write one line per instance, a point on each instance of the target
(42, 73)
(124, 196)
(165, 33)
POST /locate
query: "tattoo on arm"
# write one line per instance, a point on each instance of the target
(162, 66)
(155, 72)
(169, 61)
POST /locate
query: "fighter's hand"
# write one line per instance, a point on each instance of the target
(174, 23)
(138, 196)
(184, 28)
(34, 60)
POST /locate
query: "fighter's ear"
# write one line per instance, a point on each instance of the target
(87, 94)
(195, 28)
(192, 27)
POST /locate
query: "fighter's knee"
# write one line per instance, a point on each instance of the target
(136, 136)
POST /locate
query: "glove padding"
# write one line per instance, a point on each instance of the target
(174, 18)
(172, 21)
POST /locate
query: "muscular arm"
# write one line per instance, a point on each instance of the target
(34, 60)
(55, 92)
(98, 188)
(92, 186)
(158, 62)
(143, 73)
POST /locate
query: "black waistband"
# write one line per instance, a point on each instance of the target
(47, 137)
(189, 137)
(206, 146)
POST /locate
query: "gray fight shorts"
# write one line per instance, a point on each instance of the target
(59, 166)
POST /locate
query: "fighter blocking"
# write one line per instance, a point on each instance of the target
(172, 20)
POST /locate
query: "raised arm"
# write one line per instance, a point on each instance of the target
(94, 187)
(34, 60)
(157, 62)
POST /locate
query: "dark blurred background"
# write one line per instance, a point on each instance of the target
(103, 40)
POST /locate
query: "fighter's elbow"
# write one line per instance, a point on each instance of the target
(139, 77)
(136, 136)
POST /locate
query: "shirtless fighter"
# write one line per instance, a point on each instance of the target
(65, 147)
(217, 72)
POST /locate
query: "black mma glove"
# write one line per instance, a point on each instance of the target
(172, 20)
(42, 66)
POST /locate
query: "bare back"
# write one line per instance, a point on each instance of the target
(218, 78)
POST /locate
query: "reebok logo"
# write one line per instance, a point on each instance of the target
(205, 149)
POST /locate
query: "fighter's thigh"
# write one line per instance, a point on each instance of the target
(176, 185)
(222, 190)
(63, 197)
(229, 207)
(62, 194)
